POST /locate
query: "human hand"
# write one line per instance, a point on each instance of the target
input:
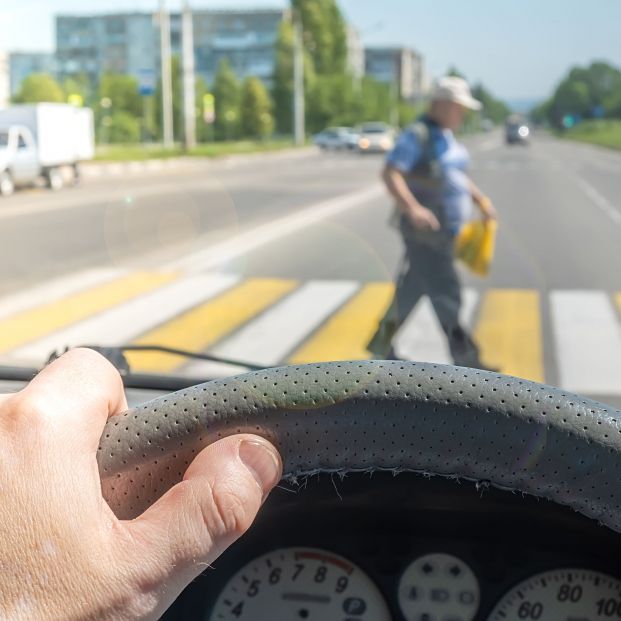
(423, 219)
(488, 211)
(63, 553)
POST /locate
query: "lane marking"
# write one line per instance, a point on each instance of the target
(31, 325)
(26, 299)
(510, 334)
(123, 323)
(202, 326)
(587, 335)
(345, 335)
(223, 252)
(269, 339)
(599, 200)
(421, 338)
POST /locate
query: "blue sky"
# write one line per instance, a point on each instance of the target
(518, 48)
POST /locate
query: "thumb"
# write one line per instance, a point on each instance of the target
(217, 501)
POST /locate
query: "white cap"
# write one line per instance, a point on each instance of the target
(456, 90)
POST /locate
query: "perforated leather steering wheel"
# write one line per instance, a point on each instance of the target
(367, 416)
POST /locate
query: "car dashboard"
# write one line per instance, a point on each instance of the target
(410, 547)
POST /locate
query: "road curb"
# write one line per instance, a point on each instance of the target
(116, 169)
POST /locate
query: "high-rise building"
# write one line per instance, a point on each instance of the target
(22, 64)
(399, 66)
(129, 42)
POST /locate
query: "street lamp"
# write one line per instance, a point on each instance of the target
(165, 54)
(189, 80)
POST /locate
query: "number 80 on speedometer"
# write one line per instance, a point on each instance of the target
(562, 595)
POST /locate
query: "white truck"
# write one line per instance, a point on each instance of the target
(44, 141)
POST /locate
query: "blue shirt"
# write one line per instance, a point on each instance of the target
(452, 196)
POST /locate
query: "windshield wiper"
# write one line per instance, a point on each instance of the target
(116, 355)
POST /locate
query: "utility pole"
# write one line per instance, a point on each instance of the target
(189, 79)
(165, 53)
(299, 112)
(395, 90)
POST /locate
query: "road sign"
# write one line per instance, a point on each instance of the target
(147, 82)
(209, 108)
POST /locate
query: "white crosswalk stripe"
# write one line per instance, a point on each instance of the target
(587, 337)
(421, 337)
(126, 322)
(55, 290)
(584, 326)
(267, 340)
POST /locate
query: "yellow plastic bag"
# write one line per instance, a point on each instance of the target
(475, 245)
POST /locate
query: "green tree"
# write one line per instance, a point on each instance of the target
(39, 87)
(572, 97)
(325, 35)
(256, 110)
(493, 109)
(122, 91)
(203, 130)
(120, 127)
(282, 89)
(80, 85)
(227, 93)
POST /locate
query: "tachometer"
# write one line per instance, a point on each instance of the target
(300, 583)
(560, 595)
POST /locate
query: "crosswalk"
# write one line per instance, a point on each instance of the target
(570, 337)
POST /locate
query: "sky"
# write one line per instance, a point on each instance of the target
(519, 49)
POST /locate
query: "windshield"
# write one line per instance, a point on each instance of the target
(195, 186)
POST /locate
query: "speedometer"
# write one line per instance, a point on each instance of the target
(300, 583)
(562, 595)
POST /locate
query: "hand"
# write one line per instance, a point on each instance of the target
(423, 219)
(64, 554)
(488, 210)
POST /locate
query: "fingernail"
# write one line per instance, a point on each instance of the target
(263, 462)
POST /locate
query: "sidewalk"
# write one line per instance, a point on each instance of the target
(96, 170)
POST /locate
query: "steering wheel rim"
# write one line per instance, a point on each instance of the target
(366, 416)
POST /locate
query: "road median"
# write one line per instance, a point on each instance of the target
(112, 162)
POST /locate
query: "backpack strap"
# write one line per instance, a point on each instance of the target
(428, 170)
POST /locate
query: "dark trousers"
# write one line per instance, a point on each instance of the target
(428, 268)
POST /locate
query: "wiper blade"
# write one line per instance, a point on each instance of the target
(116, 355)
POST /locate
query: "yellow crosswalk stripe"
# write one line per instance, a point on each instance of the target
(31, 325)
(204, 325)
(509, 332)
(345, 335)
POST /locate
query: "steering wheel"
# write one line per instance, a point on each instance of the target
(367, 416)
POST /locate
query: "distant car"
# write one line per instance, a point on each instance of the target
(333, 138)
(517, 130)
(376, 138)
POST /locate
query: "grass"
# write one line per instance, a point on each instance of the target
(138, 152)
(606, 133)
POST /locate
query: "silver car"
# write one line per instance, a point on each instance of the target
(376, 138)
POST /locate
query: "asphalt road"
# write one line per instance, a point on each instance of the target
(282, 232)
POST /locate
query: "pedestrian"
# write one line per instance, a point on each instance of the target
(426, 175)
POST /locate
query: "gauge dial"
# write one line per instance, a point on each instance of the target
(300, 583)
(438, 586)
(563, 594)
